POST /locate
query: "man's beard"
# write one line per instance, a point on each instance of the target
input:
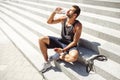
(69, 16)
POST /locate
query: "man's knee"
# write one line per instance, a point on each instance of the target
(74, 58)
(71, 57)
(44, 39)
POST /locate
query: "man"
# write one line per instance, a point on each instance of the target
(70, 34)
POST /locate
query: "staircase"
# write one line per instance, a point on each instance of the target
(24, 21)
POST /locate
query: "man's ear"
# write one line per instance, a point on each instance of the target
(75, 15)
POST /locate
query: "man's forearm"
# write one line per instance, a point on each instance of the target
(51, 18)
(69, 46)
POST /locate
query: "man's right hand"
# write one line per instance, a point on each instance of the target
(58, 10)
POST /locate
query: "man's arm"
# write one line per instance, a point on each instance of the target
(78, 30)
(52, 20)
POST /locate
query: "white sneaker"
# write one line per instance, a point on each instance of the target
(54, 57)
(45, 66)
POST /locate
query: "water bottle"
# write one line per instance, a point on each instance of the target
(63, 11)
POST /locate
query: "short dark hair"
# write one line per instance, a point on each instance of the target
(77, 10)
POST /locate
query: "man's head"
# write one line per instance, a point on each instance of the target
(77, 10)
(74, 11)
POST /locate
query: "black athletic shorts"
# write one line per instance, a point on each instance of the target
(58, 43)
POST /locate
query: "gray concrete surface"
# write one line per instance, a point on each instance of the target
(23, 22)
(13, 65)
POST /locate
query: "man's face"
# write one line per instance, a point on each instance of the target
(70, 12)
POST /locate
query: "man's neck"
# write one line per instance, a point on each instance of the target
(70, 20)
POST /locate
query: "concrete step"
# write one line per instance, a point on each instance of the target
(102, 10)
(111, 74)
(77, 70)
(37, 29)
(91, 0)
(13, 64)
(42, 21)
(107, 35)
(102, 20)
(104, 33)
(68, 5)
(106, 3)
(102, 47)
(11, 29)
(20, 29)
(26, 21)
(102, 68)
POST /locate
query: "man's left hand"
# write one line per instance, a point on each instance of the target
(58, 50)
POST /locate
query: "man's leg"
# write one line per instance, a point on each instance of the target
(42, 44)
(72, 56)
(43, 41)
